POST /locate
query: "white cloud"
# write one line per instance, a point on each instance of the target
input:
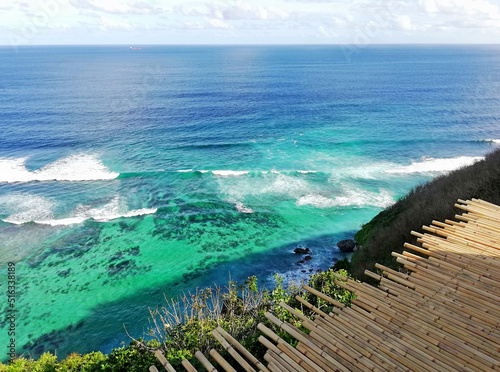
(218, 23)
(263, 21)
(403, 22)
(449, 15)
(109, 24)
(469, 8)
(6, 5)
(117, 6)
(234, 10)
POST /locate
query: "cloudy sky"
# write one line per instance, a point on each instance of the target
(139, 22)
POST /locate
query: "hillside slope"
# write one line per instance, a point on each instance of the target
(390, 229)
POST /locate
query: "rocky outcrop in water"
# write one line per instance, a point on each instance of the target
(299, 250)
(347, 245)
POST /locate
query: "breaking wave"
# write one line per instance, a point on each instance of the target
(242, 208)
(435, 165)
(236, 173)
(36, 209)
(349, 198)
(78, 167)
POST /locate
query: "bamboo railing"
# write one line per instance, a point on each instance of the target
(441, 314)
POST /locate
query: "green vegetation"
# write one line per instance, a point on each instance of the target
(391, 228)
(182, 327)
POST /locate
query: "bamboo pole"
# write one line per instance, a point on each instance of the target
(323, 296)
(188, 366)
(164, 361)
(289, 350)
(205, 362)
(310, 306)
(282, 364)
(279, 353)
(241, 349)
(300, 336)
(373, 275)
(221, 361)
(242, 362)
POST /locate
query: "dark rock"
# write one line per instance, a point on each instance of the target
(302, 250)
(347, 245)
(307, 258)
(300, 262)
(304, 271)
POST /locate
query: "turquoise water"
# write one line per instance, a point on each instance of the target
(128, 174)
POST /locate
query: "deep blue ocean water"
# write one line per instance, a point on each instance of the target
(126, 174)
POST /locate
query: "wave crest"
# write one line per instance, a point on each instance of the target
(78, 167)
(427, 165)
(349, 198)
(39, 210)
(236, 173)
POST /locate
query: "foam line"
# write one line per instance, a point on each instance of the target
(435, 165)
(242, 208)
(235, 173)
(349, 198)
(78, 167)
(228, 173)
(36, 209)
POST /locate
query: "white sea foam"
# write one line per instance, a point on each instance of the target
(242, 208)
(236, 173)
(287, 185)
(229, 173)
(317, 201)
(349, 197)
(26, 207)
(496, 141)
(78, 167)
(33, 208)
(426, 165)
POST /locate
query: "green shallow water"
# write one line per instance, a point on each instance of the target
(90, 266)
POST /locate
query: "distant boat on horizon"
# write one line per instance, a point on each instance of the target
(134, 48)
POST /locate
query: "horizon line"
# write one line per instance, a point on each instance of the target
(361, 46)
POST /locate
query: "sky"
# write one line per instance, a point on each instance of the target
(353, 22)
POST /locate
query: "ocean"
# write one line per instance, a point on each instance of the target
(127, 175)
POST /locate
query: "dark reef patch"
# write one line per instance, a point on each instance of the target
(70, 246)
(64, 273)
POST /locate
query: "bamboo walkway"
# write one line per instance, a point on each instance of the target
(442, 316)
